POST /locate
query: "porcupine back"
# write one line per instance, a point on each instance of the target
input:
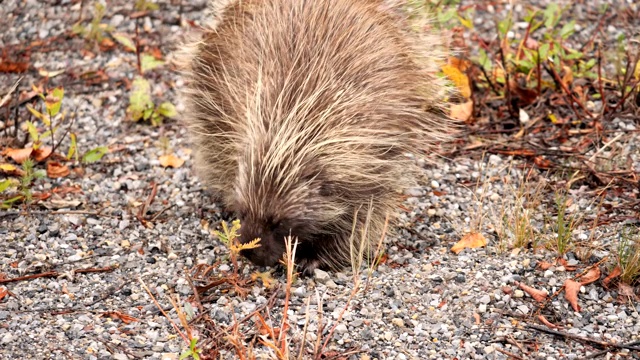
(301, 114)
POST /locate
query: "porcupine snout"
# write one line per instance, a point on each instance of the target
(271, 246)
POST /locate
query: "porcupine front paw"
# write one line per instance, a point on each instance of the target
(308, 266)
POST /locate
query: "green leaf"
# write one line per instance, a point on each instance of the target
(148, 62)
(550, 15)
(125, 41)
(40, 174)
(33, 131)
(78, 29)
(544, 52)
(504, 25)
(6, 184)
(95, 154)
(167, 110)
(140, 99)
(54, 101)
(568, 29)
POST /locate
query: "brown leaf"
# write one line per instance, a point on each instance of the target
(537, 295)
(547, 323)
(41, 153)
(476, 316)
(526, 96)
(542, 163)
(591, 276)
(462, 111)
(171, 160)
(471, 240)
(614, 274)
(566, 265)
(13, 67)
(507, 290)
(118, 315)
(626, 290)
(571, 289)
(56, 170)
(544, 265)
(3, 292)
(18, 155)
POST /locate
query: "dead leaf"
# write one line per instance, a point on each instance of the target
(55, 204)
(626, 290)
(3, 292)
(571, 289)
(547, 323)
(13, 67)
(542, 163)
(566, 265)
(56, 170)
(614, 274)
(118, 315)
(41, 153)
(471, 240)
(537, 295)
(50, 74)
(18, 155)
(544, 265)
(567, 78)
(462, 111)
(476, 316)
(507, 290)
(171, 160)
(591, 276)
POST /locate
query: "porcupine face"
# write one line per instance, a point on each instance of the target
(271, 207)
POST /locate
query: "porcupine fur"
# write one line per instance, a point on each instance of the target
(302, 113)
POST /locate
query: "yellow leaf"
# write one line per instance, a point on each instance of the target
(171, 160)
(267, 279)
(553, 118)
(458, 78)
(471, 240)
(7, 167)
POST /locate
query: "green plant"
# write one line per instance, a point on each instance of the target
(564, 224)
(23, 185)
(229, 237)
(142, 107)
(629, 254)
(95, 31)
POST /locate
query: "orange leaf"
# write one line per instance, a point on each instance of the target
(471, 240)
(476, 316)
(462, 111)
(571, 289)
(18, 155)
(591, 276)
(171, 160)
(3, 292)
(614, 274)
(537, 295)
(57, 170)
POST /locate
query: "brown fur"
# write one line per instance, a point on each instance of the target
(301, 113)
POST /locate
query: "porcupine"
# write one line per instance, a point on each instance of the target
(302, 114)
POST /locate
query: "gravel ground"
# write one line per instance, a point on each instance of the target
(424, 302)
